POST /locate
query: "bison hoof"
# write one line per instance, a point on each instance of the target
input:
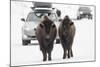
(44, 59)
(49, 59)
(68, 57)
(64, 57)
(71, 55)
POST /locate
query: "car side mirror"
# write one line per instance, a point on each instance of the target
(22, 19)
(53, 8)
(32, 8)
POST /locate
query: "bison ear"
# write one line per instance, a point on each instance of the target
(53, 25)
(71, 23)
(41, 25)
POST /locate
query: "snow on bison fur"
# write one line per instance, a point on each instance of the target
(46, 33)
(66, 33)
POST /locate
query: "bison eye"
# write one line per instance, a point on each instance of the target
(41, 25)
(53, 25)
(71, 23)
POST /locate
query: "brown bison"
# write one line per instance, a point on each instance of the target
(46, 33)
(66, 33)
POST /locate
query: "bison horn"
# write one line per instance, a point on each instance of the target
(71, 23)
(41, 25)
(53, 25)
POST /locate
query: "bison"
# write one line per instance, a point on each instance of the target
(66, 33)
(46, 33)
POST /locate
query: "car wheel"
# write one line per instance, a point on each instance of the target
(25, 42)
(57, 41)
(81, 17)
(77, 18)
(29, 41)
(91, 17)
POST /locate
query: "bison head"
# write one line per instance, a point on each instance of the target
(47, 25)
(66, 24)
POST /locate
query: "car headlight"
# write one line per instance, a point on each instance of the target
(25, 36)
(27, 29)
(81, 12)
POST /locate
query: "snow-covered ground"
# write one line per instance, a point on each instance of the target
(83, 46)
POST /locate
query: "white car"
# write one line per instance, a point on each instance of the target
(84, 12)
(33, 19)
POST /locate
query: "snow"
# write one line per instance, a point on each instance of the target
(83, 48)
(83, 45)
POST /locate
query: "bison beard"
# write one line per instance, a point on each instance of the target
(46, 33)
(66, 34)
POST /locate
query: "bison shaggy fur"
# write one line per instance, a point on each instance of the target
(66, 33)
(46, 34)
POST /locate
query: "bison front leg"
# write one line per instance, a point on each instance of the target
(49, 51)
(64, 49)
(71, 53)
(44, 55)
(64, 55)
(49, 55)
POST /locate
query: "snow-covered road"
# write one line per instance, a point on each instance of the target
(83, 48)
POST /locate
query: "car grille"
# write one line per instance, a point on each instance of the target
(32, 36)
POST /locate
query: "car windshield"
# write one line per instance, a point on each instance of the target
(85, 9)
(37, 16)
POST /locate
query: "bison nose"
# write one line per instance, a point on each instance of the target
(64, 33)
(47, 37)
